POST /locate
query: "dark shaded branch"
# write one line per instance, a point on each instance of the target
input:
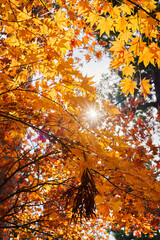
(35, 188)
(8, 116)
(26, 165)
(121, 189)
(145, 105)
(26, 226)
(10, 209)
(148, 13)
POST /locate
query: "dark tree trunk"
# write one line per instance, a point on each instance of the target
(156, 79)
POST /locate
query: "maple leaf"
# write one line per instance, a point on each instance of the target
(110, 108)
(105, 25)
(117, 46)
(145, 87)
(136, 45)
(128, 70)
(128, 86)
(53, 94)
(158, 59)
(88, 56)
(126, 9)
(99, 54)
(125, 35)
(146, 56)
(60, 18)
(93, 18)
(83, 6)
(24, 15)
(85, 39)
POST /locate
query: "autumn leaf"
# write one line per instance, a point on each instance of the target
(128, 86)
(110, 108)
(88, 56)
(85, 39)
(53, 94)
(117, 46)
(146, 57)
(145, 87)
(105, 25)
(125, 35)
(128, 70)
(60, 18)
(93, 18)
(99, 54)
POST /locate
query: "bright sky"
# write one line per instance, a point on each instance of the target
(96, 67)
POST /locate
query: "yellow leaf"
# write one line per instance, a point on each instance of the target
(82, 6)
(116, 204)
(158, 15)
(134, 24)
(125, 35)
(93, 18)
(128, 70)
(146, 57)
(128, 86)
(118, 46)
(105, 25)
(110, 108)
(53, 94)
(145, 87)
(158, 59)
(126, 9)
(60, 19)
(136, 45)
(47, 187)
(24, 15)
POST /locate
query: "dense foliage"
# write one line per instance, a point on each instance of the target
(57, 162)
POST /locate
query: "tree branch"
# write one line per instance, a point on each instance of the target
(148, 13)
(123, 190)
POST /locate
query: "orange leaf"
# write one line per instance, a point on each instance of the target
(145, 87)
(88, 56)
(99, 54)
(128, 86)
(105, 25)
(128, 70)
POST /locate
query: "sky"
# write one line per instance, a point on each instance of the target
(96, 67)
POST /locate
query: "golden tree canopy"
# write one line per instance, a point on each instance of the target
(57, 163)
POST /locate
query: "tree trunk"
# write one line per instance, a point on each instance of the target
(156, 79)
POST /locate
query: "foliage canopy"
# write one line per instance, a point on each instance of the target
(56, 164)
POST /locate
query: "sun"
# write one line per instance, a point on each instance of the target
(92, 113)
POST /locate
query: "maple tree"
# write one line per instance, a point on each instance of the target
(142, 68)
(56, 164)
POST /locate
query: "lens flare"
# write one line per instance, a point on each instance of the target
(92, 114)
